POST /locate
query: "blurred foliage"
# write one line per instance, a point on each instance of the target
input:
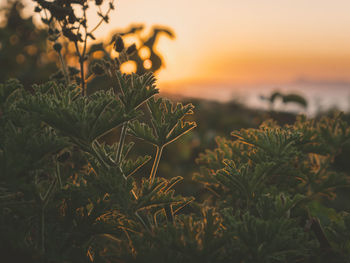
(286, 99)
(23, 47)
(26, 53)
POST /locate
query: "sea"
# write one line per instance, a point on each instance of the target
(320, 97)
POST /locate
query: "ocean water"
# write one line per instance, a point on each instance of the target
(320, 97)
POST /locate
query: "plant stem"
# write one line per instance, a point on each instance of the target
(58, 175)
(121, 142)
(81, 62)
(101, 20)
(156, 163)
(169, 213)
(64, 68)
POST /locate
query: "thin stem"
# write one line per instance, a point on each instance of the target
(101, 21)
(142, 221)
(169, 213)
(64, 68)
(121, 142)
(58, 174)
(83, 58)
(156, 163)
(81, 62)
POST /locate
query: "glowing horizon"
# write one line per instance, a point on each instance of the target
(245, 42)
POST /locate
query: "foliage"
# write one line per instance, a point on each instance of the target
(23, 49)
(286, 98)
(70, 186)
(269, 186)
(66, 195)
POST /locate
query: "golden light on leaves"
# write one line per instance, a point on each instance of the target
(144, 53)
(147, 64)
(128, 67)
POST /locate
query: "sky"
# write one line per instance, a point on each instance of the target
(245, 42)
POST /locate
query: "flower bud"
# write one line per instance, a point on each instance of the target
(131, 50)
(57, 47)
(119, 44)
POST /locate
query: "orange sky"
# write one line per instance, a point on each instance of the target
(246, 41)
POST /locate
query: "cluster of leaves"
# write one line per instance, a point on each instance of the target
(62, 19)
(67, 196)
(63, 191)
(269, 186)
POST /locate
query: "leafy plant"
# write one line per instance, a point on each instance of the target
(269, 185)
(66, 195)
(64, 192)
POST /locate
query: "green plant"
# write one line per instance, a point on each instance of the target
(68, 196)
(64, 192)
(269, 186)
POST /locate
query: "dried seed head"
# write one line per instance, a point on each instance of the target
(119, 44)
(37, 9)
(131, 50)
(57, 47)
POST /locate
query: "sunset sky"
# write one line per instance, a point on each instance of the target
(246, 42)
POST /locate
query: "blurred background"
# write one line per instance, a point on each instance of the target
(240, 50)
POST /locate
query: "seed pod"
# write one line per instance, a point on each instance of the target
(131, 50)
(57, 47)
(119, 44)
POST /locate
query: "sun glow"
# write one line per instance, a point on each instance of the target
(128, 67)
(243, 42)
